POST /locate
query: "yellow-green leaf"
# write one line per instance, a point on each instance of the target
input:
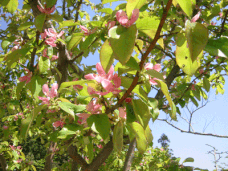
(118, 136)
(39, 22)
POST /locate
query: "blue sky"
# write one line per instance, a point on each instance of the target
(187, 145)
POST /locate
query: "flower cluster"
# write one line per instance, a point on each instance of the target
(109, 82)
(156, 67)
(50, 94)
(52, 36)
(122, 18)
(17, 43)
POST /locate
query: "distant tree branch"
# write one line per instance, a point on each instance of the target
(3, 163)
(190, 132)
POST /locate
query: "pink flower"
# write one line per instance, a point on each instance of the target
(94, 107)
(87, 31)
(46, 10)
(100, 146)
(12, 147)
(82, 117)
(122, 18)
(193, 87)
(220, 14)
(216, 57)
(76, 87)
(201, 71)
(122, 113)
(58, 124)
(50, 95)
(128, 100)
(105, 80)
(156, 67)
(213, 23)
(196, 17)
(19, 160)
(27, 77)
(110, 24)
(53, 35)
(5, 127)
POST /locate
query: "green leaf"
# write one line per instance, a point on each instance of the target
(35, 86)
(2, 112)
(183, 58)
(68, 23)
(71, 83)
(44, 64)
(217, 47)
(140, 137)
(5, 44)
(122, 41)
(189, 159)
(197, 37)
(102, 124)
(139, 90)
(19, 88)
(187, 6)
(106, 56)
(130, 113)
(134, 4)
(148, 134)
(68, 130)
(148, 25)
(153, 73)
(39, 22)
(106, 10)
(165, 91)
(89, 40)
(206, 84)
(194, 101)
(12, 6)
(132, 63)
(141, 111)
(56, 17)
(15, 55)
(25, 26)
(75, 40)
(118, 136)
(71, 108)
(26, 123)
(50, 3)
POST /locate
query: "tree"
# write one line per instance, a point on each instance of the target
(84, 116)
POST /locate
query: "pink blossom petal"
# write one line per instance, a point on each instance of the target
(134, 17)
(54, 57)
(45, 100)
(196, 17)
(82, 117)
(157, 67)
(45, 89)
(122, 113)
(53, 92)
(148, 66)
(109, 76)
(100, 69)
(152, 82)
(43, 35)
(90, 76)
(117, 81)
(107, 85)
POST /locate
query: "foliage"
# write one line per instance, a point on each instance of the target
(162, 47)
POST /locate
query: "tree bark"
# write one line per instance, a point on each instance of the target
(3, 163)
(130, 155)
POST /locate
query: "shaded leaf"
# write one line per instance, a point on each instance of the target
(118, 136)
(39, 22)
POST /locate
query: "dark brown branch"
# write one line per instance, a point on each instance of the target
(101, 157)
(3, 163)
(190, 132)
(223, 23)
(144, 57)
(48, 159)
(72, 150)
(130, 155)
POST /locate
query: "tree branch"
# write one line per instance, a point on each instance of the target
(144, 57)
(3, 163)
(190, 132)
(130, 155)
